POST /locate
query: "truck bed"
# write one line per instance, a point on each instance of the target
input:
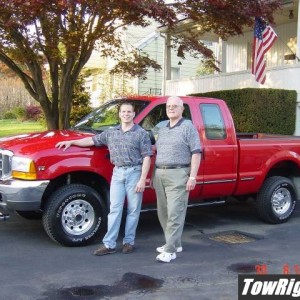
(255, 135)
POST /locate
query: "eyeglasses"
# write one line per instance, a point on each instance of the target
(172, 106)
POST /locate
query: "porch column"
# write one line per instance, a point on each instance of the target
(298, 36)
(297, 125)
(167, 62)
(222, 46)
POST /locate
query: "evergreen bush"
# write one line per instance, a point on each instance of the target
(260, 110)
(9, 115)
(20, 113)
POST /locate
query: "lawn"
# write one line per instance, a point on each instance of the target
(12, 127)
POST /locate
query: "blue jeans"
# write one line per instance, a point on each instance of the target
(123, 183)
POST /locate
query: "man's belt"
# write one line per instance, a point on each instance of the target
(172, 166)
(129, 166)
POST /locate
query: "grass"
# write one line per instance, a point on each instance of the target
(13, 127)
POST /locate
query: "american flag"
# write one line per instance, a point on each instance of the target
(264, 38)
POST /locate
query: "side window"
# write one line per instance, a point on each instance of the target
(158, 114)
(107, 115)
(213, 122)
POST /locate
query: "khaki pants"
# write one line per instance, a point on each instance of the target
(172, 200)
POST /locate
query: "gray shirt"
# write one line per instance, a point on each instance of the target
(175, 145)
(126, 148)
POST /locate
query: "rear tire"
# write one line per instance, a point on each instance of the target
(276, 201)
(74, 215)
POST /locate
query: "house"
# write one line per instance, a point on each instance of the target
(102, 85)
(153, 46)
(283, 64)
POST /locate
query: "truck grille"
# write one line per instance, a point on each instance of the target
(5, 164)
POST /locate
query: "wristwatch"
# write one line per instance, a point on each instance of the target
(193, 178)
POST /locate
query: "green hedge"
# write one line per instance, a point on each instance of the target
(260, 110)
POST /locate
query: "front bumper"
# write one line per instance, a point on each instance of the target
(22, 195)
(4, 214)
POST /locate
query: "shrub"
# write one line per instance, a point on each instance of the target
(80, 102)
(9, 115)
(78, 113)
(260, 110)
(33, 112)
(20, 113)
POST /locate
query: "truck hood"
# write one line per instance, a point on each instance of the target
(27, 144)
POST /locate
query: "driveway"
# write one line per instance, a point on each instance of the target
(219, 243)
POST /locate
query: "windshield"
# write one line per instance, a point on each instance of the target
(107, 115)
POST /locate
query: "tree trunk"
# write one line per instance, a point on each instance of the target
(50, 121)
(50, 115)
(65, 104)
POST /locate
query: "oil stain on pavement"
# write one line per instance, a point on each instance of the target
(129, 283)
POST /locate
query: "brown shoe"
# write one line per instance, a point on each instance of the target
(127, 248)
(104, 250)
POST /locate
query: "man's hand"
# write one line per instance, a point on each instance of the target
(140, 186)
(85, 142)
(63, 145)
(190, 185)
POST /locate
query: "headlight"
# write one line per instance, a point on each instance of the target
(23, 168)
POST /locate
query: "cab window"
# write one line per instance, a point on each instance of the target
(213, 122)
(158, 114)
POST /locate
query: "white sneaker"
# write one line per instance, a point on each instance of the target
(162, 249)
(166, 257)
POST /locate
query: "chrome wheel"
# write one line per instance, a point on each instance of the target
(281, 201)
(78, 217)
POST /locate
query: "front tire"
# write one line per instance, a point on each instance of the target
(276, 201)
(74, 215)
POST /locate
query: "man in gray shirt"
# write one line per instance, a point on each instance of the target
(130, 152)
(177, 163)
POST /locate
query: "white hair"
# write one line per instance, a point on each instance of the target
(176, 98)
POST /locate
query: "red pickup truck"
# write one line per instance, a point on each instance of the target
(70, 190)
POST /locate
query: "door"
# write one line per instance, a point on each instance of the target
(220, 153)
(154, 118)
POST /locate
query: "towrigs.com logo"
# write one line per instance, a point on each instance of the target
(261, 287)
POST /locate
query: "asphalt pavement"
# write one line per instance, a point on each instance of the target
(219, 243)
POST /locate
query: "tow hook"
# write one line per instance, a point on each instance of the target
(4, 215)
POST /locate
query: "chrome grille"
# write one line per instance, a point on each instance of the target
(5, 163)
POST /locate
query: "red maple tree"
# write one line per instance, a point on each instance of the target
(47, 43)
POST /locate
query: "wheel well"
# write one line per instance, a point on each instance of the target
(287, 169)
(90, 179)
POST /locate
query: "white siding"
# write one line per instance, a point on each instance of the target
(236, 54)
(152, 85)
(155, 50)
